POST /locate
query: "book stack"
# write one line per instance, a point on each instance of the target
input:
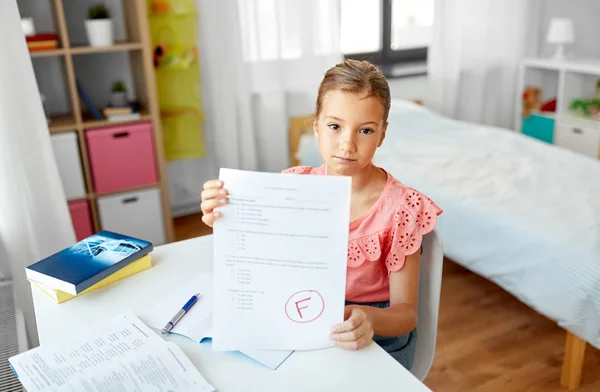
(91, 263)
(120, 113)
(47, 41)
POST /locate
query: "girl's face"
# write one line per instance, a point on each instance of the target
(349, 129)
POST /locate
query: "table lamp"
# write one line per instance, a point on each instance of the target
(560, 33)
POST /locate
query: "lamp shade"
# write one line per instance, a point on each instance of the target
(560, 31)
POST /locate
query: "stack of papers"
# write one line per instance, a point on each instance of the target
(119, 354)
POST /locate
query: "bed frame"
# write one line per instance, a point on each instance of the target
(574, 346)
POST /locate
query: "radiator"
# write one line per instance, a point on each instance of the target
(13, 338)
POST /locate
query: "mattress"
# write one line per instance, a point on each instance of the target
(519, 212)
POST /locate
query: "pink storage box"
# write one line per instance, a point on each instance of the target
(82, 221)
(121, 157)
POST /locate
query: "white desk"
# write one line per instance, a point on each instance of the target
(332, 369)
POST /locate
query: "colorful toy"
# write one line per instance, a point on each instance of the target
(589, 108)
(533, 103)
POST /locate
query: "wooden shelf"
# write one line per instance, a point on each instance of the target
(91, 123)
(118, 47)
(582, 66)
(133, 189)
(139, 50)
(48, 53)
(65, 123)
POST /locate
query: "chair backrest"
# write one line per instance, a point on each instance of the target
(430, 284)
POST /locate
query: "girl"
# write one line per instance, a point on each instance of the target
(387, 219)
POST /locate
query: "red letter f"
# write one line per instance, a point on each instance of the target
(304, 307)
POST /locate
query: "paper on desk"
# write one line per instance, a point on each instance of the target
(197, 322)
(157, 369)
(280, 260)
(92, 354)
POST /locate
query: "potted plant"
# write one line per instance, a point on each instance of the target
(99, 26)
(119, 94)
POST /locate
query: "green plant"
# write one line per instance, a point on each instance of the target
(98, 12)
(119, 87)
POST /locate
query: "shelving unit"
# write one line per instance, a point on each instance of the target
(564, 81)
(117, 47)
(76, 121)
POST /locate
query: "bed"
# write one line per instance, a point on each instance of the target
(519, 212)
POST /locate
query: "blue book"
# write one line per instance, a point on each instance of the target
(84, 264)
(88, 102)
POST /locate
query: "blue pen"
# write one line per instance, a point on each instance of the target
(175, 319)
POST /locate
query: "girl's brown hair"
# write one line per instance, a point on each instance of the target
(356, 77)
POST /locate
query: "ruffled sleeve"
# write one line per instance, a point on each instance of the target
(415, 217)
(298, 170)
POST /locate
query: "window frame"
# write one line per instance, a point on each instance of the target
(387, 58)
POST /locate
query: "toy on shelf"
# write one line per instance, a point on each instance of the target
(179, 7)
(532, 102)
(175, 59)
(587, 107)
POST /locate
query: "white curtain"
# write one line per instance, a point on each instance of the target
(34, 217)
(474, 56)
(262, 63)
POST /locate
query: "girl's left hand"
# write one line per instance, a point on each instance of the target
(354, 333)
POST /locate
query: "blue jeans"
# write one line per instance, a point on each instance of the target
(401, 348)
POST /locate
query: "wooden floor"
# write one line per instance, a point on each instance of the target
(487, 340)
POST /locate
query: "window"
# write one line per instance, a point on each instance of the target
(393, 34)
(273, 30)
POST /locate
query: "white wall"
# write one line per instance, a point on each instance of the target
(586, 18)
(410, 88)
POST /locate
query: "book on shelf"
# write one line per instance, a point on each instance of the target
(88, 101)
(82, 265)
(129, 112)
(44, 41)
(124, 117)
(59, 296)
(117, 110)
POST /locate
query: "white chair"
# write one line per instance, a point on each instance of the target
(430, 284)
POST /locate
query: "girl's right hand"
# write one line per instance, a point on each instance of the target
(213, 195)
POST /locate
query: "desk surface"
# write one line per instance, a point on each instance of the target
(370, 369)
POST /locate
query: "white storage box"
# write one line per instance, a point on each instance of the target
(137, 213)
(66, 153)
(583, 137)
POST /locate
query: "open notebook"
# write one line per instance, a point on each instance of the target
(119, 354)
(197, 323)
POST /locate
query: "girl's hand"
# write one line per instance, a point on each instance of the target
(356, 332)
(213, 195)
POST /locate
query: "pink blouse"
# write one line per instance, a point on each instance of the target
(380, 239)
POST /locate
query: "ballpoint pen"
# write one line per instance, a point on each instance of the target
(175, 319)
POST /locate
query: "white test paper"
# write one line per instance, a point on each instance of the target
(50, 367)
(280, 260)
(158, 369)
(47, 367)
(197, 323)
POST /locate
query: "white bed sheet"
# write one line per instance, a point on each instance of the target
(522, 213)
